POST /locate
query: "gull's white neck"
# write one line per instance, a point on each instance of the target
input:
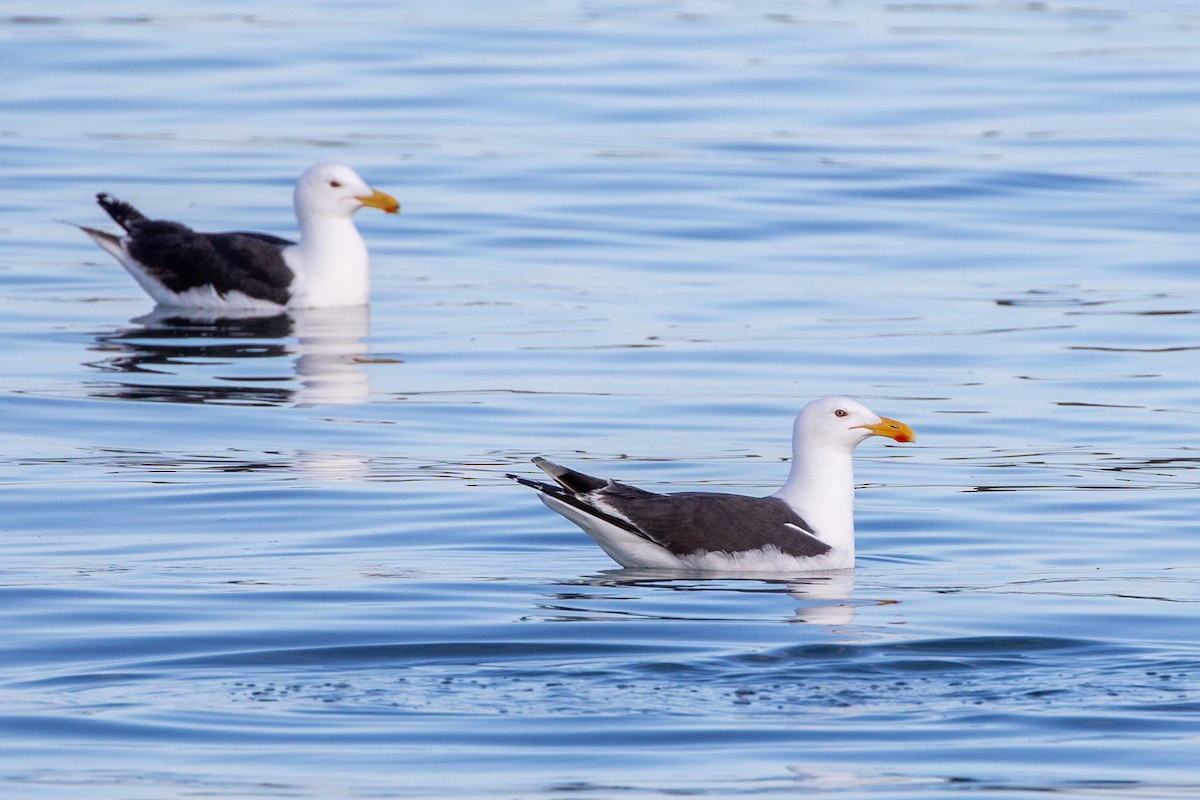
(820, 488)
(330, 263)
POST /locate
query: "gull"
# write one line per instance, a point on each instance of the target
(807, 525)
(242, 271)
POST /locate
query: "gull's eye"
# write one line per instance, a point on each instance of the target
(841, 412)
(336, 184)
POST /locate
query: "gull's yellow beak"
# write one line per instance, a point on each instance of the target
(892, 429)
(381, 200)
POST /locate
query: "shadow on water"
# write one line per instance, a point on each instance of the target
(303, 357)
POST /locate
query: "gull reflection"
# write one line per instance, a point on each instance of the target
(303, 357)
(825, 598)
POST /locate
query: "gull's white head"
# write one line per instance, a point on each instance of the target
(820, 485)
(840, 423)
(329, 189)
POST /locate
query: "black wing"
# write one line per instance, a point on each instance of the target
(122, 213)
(180, 258)
(572, 499)
(569, 479)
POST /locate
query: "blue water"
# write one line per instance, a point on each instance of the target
(280, 558)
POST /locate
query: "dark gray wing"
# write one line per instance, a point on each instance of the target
(690, 521)
(183, 259)
(180, 258)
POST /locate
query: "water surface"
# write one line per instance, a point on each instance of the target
(279, 558)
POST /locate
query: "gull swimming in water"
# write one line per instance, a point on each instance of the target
(242, 271)
(807, 525)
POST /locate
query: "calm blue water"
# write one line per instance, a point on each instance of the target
(280, 559)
